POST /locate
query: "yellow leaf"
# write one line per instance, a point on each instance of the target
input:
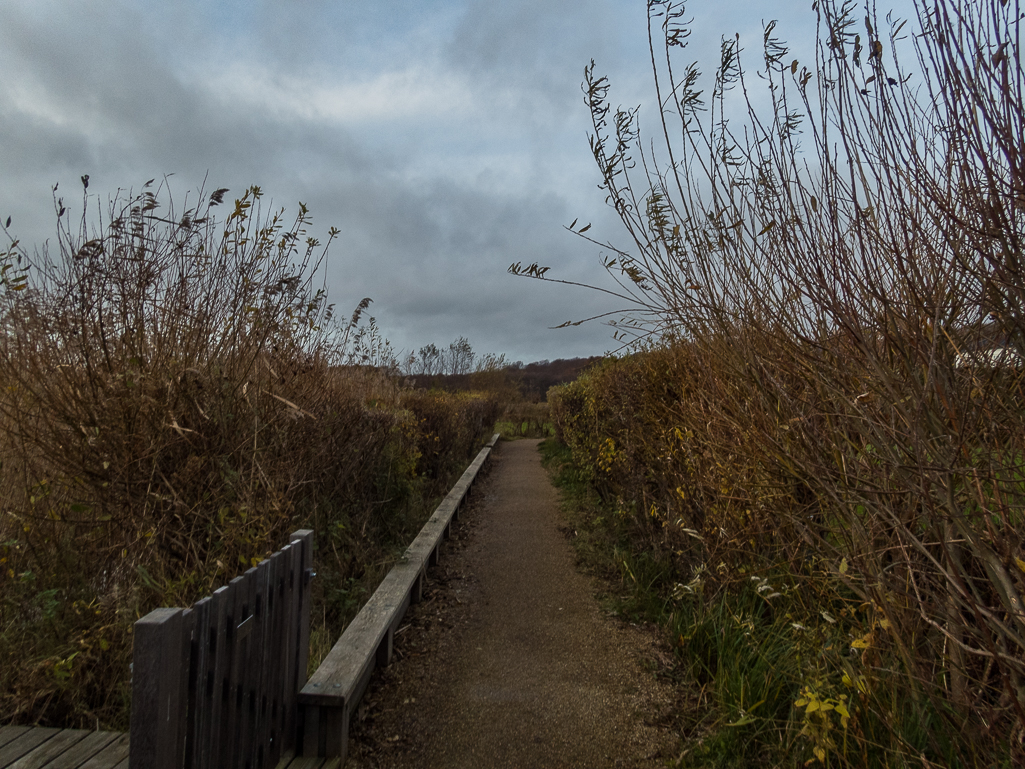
(820, 754)
(842, 710)
(1020, 563)
(843, 566)
(813, 706)
(861, 643)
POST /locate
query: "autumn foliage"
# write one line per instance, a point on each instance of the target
(175, 399)
(822, 417)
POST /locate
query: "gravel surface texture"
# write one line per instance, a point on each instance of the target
(509, 661)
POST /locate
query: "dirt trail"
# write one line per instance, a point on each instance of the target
(509, 661)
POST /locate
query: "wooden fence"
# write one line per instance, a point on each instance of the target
(216, 686)
(223, 685)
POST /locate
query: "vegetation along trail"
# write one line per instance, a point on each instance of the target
(509, 661)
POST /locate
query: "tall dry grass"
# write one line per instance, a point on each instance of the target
(822, 287)
(175, 398)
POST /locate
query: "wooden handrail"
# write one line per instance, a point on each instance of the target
(329, 698)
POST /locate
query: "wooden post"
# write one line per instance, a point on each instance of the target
(305, 575)
(158, 716)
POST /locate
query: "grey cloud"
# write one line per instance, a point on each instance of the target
(532, 52)
(431, 212)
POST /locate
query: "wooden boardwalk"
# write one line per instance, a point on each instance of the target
(38, 747)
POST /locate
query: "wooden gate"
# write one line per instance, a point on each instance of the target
(215, 686)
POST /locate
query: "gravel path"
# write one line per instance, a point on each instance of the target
(509, 661)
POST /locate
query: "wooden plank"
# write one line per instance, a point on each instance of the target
(8, 733)
(245, 630)
(50, 749)
(250, 675)
(115, 755)
(82, 751)
(200, 686)
(205, 756)
(156, 720)
(274, 695)
(262, 667)
(306, 726)
(304, 577)
(24, 743)
(289, 568)
(290, 661)
(227, 745)
(185, 673)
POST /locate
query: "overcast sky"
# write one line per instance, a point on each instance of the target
(446, 139)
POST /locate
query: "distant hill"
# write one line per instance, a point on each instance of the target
(531, 380)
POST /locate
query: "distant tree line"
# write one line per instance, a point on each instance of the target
(459, 367)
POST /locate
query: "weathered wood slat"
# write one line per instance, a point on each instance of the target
(81, 751)
(289, 607)
(208, 752)
(49, 749)
(229, 725)
(8, 733)
(184, 672)
(25, 743)
(156, 691)
(271, 659)
(303, 600)
(200, 684)
(248, 675)
(261, 675)
(113, 756)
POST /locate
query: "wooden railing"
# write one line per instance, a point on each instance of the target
(223, 685)
(215, 686)
(330, 697)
